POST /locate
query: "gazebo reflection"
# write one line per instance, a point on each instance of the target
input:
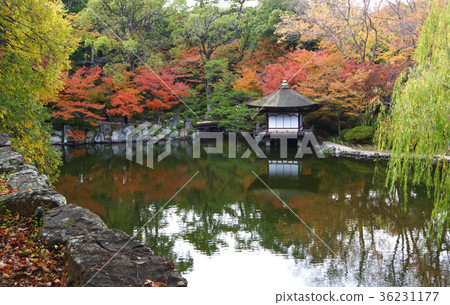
(284, 168)
(287, 178)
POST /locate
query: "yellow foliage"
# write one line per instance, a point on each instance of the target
(35, 44)
(249, 82)
(387, 32)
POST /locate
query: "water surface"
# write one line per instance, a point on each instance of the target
(227, 227)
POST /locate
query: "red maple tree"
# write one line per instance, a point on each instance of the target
(123, 92)
(76, 97)
(162, 90)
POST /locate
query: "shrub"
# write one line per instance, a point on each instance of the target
(180, 125)
(344, 131)
(168, 115)
(362, 134)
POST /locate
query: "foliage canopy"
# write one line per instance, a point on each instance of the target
(35, 44)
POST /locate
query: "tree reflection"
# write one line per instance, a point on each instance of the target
(376, 240)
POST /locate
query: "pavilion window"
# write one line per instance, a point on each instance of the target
(283, 121)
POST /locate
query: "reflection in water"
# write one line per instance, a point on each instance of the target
(226, 221)
(284, 168)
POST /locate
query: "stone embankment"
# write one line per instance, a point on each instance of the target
(108, 132)
(339, 150)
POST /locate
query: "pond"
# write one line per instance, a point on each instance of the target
(342, 227)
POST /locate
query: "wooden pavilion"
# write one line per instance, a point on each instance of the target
(284, 110)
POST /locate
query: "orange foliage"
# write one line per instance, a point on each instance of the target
(75, 99)
(76, 135)
(249, 82)
(162, 90)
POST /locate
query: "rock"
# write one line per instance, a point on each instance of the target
(58, 133)
(119, 136)
(167, 131)
(68, 221)
(174, 121)
(112, 258)
(4, 140)
(67, 139)
(184, 133)
(99, 138)
(174, 135)
(90, 137)
(27, 177)
(106, 131)
(56, 140)
(9, 159)
(25, 202)
(33, 191)
(128, 129)
(188, 124)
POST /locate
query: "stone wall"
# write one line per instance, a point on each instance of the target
(109, 132)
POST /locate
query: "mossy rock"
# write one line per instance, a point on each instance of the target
(360, 134)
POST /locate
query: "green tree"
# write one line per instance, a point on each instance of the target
(417, 129)
(35, 43)
(228, 106)
(127, 30)
(267, 16)
(209, 28)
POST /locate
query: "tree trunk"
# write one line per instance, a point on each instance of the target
(208, 88)
(339, 124)
(92, 56)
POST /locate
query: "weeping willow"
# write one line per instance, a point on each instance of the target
(417, 128)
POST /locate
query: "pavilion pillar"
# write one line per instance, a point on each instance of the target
(300, 118)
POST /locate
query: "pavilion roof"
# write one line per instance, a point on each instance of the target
(285, 97)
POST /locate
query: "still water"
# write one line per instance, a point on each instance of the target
(227, 227)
